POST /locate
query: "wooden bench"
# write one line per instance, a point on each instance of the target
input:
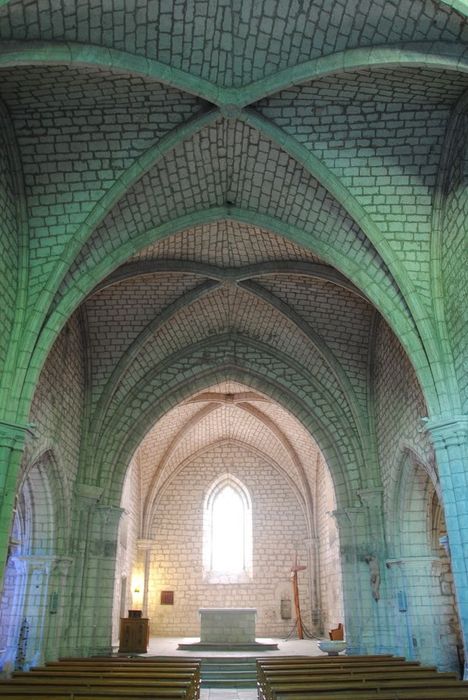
(303, 670)
(103, 674)
(86, 694)
(285, 690)
(354, 678)
(128, 678)
(410, 694)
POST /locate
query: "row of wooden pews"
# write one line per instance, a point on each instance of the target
(354, 678)
(109, 678)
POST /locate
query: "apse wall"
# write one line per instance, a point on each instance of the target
(279, 527)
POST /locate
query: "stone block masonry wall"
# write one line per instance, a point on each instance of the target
(428, 629)
(399, 407)
(71, 153)
(46, 536)
(355, 128)
(455, 261)
(279, 526)
(261, 28)
(57, 406)
(8, 242)
(331, 590)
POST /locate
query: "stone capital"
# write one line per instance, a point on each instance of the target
(88, 494)
(448, 431)
(110, 515)
(38, 563)
(14, 435)
(347, 517)
(371, 497)
(62, 565)
(423, 564)
(145, 544)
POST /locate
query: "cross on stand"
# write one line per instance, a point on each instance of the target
(299, 627)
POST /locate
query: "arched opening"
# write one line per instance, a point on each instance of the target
(227, 532)
(32, 600)
(234, 256)
(421, 571)
(235, 489)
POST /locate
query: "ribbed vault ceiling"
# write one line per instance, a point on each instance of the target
(233, 195)
(226, 412)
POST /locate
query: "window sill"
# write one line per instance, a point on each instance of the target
(229, 579)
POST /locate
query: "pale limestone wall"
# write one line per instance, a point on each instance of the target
(329, 552)
(278, 526)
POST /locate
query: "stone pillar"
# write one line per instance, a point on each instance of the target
(362, 548)
(349, 522)
(419, 612)
(38, 569)
(449, 436)
(12, 439)
(313, 567)
(95, 546)
(143, 563)
(58, 604)
(101, 575)
(372, 502)
(15, 580)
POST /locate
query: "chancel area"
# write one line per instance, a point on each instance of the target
(236, 490)
(233, 325)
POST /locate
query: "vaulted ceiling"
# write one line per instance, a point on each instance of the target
(233, 196)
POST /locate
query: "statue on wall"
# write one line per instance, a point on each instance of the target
(374, 570)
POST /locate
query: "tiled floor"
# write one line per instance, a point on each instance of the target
(227, 694)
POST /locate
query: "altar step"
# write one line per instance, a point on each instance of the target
(230, 672)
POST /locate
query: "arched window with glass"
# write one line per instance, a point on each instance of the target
(227, 532)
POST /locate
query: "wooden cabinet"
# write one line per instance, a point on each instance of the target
(134, 635)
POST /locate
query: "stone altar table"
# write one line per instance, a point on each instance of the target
(227, 625)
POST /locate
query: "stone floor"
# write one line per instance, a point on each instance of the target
(227, 694)
(167, 646)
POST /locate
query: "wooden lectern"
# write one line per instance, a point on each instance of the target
(134, 635)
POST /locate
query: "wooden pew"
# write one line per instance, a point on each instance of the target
(102, 674)
(353, 678)
(371, 674)
(330, 659)
(410, 694)
(101, 678)
(274, 690)
(304, 684)
(88, 681)
(86, 694)
(274, 669)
